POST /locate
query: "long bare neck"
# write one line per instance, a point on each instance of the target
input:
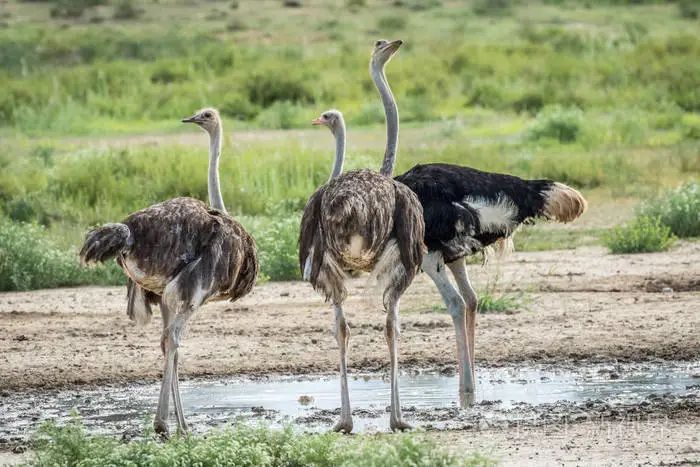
(215, 199)
(391, 113)
(339, 150)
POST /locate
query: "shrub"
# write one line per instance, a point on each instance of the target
(391, 23)
(558, 123)
(276, 238)
(679, 210)
(689, 9)
(354, 4)
(72, 8)
(267, 86)
(281, 116)
(29, 260)
(492, 7)
(642, 235)
(126, 9)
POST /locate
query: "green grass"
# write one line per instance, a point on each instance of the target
(642, 235)
(241, 445)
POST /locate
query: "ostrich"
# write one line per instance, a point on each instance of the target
(465, 211)
(179, 254)
(364, 221)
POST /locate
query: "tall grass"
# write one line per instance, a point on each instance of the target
(243, 446)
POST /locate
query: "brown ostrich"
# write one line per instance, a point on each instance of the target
(364, 221)
(179, 254)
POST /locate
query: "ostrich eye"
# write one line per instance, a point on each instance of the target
(378, 43)
(327, 116)
(207, 114)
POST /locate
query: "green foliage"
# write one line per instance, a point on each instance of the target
(29, 260)
(558, 123)
(642, 235)
(277, 237)
(679, 210)
(507, 304)
(242, 445)
(391, 23)
(492, 7)
(126, 9)
(689, 9)
(72, 8)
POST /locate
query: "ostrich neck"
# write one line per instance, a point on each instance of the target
(216, 201)
(391, 113)
(339, 150)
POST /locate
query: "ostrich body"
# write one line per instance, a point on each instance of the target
(178, 254)
(466, 211)
(363, 221)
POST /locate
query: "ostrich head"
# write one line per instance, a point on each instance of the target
(207, 118)
(333, 119)
(383, 51)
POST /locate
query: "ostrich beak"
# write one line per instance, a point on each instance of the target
(192, 119)
(318, 121)
(393, 46)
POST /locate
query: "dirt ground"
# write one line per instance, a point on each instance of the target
(580, 305)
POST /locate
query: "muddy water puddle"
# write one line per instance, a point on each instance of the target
(505, 395)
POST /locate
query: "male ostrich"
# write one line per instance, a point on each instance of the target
(179, 254)
(364, 221)
(465, 211)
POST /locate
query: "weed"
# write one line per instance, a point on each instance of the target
(558, 123)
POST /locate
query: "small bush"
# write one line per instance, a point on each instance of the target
(242, 445)
(417, 5)
(689, 9)
(558, 123)
(507, 304)
(643, 235)
(126, 9)
(391, 23)
(29, 260)
(277, 238)
(492, 7)
(281, 116)
(354, 4)
(679, 210)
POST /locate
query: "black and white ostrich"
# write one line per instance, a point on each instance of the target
(179, 254)
(364, 221)
(467, 210)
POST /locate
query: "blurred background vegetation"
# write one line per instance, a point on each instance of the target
(602, 95)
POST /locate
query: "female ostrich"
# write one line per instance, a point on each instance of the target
(465, 211)
(364, 221)
(179, 254)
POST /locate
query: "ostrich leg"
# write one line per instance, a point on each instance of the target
(168, 316)
(396, 421)
(342, 335)
(434, 266)
(459, 270)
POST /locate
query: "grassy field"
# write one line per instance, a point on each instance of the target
(600, 95)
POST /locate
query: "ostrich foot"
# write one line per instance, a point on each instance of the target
(161, 429)
(344, 425)
(466, 399)
(398, 424)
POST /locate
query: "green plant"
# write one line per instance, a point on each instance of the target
(277, 236)
(391, 23)
(678, 209)
(29, 260)
(126, 9)
(492, 7)
(642, 235)
(558, 123)
(689, 9)
(242, 445)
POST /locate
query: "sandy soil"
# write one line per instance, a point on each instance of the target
(580, 304)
